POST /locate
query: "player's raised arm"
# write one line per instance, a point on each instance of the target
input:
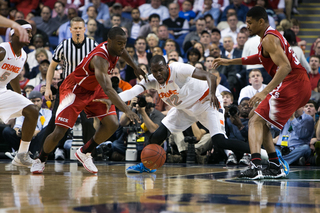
(225, 62)
(100, 67)
(211, 79)
(271, 46)
(137, 70)
(23, 35)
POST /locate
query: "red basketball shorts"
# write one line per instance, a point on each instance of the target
(74, 99)
(283, 101)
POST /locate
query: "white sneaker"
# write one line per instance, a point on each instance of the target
(37, 166)
(11, 155)
(86, 160)
(22, 159)
(245, 160)
(59, 154)
(232, 160)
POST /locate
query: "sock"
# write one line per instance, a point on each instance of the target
(273, 157)
(89, 146)
(43, 156)
(256, 159)
(24, 146)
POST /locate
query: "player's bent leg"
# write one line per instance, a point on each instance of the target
(48, 146)
(161, 134)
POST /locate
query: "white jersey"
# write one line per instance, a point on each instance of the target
(10, 66)
(180, 90)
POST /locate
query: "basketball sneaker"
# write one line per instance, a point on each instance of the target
(37, 167)
(22, 159)
(273, 171)
(284, 163)
(139, 168)
(86, 160)
(252, 173)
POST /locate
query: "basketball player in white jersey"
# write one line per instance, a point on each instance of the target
(192, 94)
(13, 104)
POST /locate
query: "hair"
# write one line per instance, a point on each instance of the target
(209, 56)
(41, 50)
(258, 13)
(290, 37)
(201, 19)
(38, 36)
(232, 14)
(194, 51)
(46, 7)
(76, 19)
(138, 38)
(135, 9)
(315, 56)
(169, 40)
(228, 36)
(202, 48)
(208, 15)
(172, 60)
(285, 24)
(244, 99)
(171, 51)
(95, 9)
(140, 65)
(152, 35)
(116, 15)
(205, 32)
(314, 103)
(22, 22)
(295, 22)
(63, 5)
(198, 62)
(153, 15)
(162, 25)
(255, 70)
(227, 93)
(148, 95)
(113, 32)
(20, 13)
(130, 45)
(157, 59)
(27, 87)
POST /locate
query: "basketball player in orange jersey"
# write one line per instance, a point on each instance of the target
(288, 90)
(13, 104)
(82, 90)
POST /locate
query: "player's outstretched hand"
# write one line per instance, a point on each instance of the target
(48, 95)
(23, 35)
(256, 99)
(104, 101)
(214, 102)
(141, 74)
(220, 61)
(132, 116)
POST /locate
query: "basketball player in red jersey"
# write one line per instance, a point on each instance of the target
(288, 90)
(82, 90)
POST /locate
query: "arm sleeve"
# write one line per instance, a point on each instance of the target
(129, 94)
(251, 60)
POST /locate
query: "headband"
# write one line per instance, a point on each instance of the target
(25, 26)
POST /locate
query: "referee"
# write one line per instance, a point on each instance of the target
(71, 51)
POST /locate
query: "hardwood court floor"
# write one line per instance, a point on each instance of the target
(67, 187)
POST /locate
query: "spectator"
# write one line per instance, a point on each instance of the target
(291, 39)
(169, 46)
(240, 9)
(296, 28)
(220, 4)
(224, 24)
(205, 41)
(43, 67)
(314, 74)
(40, 55)
(208, 9)
(157, 51)
(173, 54)
(141, 46)
(25, 6)
(177, 25)
(215, 38)
(45, 22)
(123, 85)
(152, 41)
(255, 79)
(163, 34)
(193, 56)
(61, 17)
(144, 67)
(116, 9)
(154, 7)
(13, 135)
(194, 36)
(32, 59)
(232, 30)
(220, 87)
(295, 137)
(23, 80)
(17, 16)
(130, 5)
(227, 98)
(200, 47)
(103, 11)
(187, 13)
(312, 49)
(151, 27)
(92, 29)
(278, 7)
(99, 32)
(273, 20)
(315, 94)
(64, 32)
(72, 4)
(136, 24)
(209, 22)
(241, 40)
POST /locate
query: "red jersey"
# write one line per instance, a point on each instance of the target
(298, 72)
(84, 76)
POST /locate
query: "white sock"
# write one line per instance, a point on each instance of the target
(24, 146)
(264, 154)
(228, 152)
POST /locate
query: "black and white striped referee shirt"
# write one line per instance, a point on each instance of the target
(71, 54)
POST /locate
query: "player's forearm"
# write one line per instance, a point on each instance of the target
(280, 75)
(115, 99)
(250, 60)
(50, 74)
(129, 94)
(235, 61)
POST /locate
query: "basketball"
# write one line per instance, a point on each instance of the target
(153, 156)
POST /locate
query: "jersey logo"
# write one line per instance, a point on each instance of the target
(168, 94)
(10, 67)
(9, 58)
